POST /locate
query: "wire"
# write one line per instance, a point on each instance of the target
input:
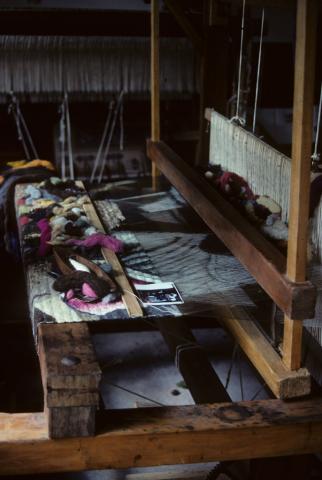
(69, 139)
(315, 156)
(232, 361)
(258, 70)
(132, 392)
(240, 59)
(105, 132)
(110, 137)
(152, 324)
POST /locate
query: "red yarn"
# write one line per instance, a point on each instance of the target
(45, 236)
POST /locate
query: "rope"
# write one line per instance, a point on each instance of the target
(132, 392)
(31, 143)
(240, 373)
(316, 157)
(122, 126)
(258, 70)
(20, 135)
(62, 140)
(69, 139)
(109, 140)
(237, 118)
(23, 132)
(100, 148)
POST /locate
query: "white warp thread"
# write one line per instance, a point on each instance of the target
(40, 67)
(266, 170)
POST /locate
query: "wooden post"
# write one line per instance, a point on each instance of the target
(306, 24)
(70, 376)
(155, 84)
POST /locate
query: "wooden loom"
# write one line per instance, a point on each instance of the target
(220, 431)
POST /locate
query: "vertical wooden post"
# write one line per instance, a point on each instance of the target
(155, 85)
(306, 24)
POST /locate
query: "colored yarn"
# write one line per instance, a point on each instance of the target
(76, 279)
(45, 236)
(88, 291)
(99, 239)
(33, 192)
(24, 220)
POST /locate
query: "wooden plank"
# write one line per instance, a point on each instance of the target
(132, 304)
(160, 436)
(178, 12)
(191, 359)
(70, 376)
(306, 27)
(285, 384)
(257, 254)
(155, 84)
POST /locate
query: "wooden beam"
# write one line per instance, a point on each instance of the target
(257, 254)
(306, 26)
(160, 436)
(155, 85)
(285, 384)
(182, 19)
(70, 377)
(129, 298)
(191, 359)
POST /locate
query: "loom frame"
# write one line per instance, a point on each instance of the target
(146, 437)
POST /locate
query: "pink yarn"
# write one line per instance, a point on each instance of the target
(70, 294)
(88, 291)
(229, 177)
(24, 220)
(100, 239)
(45, 236)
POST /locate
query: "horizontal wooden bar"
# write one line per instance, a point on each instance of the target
(261, 258)
(283, 382)
(164, 436)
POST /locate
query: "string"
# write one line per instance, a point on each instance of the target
(152, 324)
(100, 148)
(258, 392)
(132, 392)
(122, 126)
(237, 117)
(232, 361)
(20, 135)
(240, 376)
(62, 139)
(258, 70)
(316, 156)
(22, 129)
(109, 141)
(69, 139)
(26, 129)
